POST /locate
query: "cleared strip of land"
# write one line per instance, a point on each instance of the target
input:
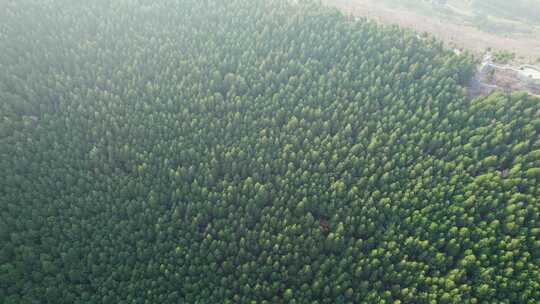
(459, 34)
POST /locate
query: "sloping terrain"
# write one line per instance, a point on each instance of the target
(255, 151)
(455, 24)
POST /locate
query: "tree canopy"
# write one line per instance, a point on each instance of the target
(250, 151)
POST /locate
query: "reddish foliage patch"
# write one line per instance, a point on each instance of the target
(324, 225)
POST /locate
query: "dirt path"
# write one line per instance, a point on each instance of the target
(460, 35)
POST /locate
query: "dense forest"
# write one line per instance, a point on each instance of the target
(255, 151)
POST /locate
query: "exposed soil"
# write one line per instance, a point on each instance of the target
(491, 77)
(461, 35)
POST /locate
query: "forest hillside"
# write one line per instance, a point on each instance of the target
(254, 151)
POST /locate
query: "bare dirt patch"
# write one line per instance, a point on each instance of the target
(461, 35)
